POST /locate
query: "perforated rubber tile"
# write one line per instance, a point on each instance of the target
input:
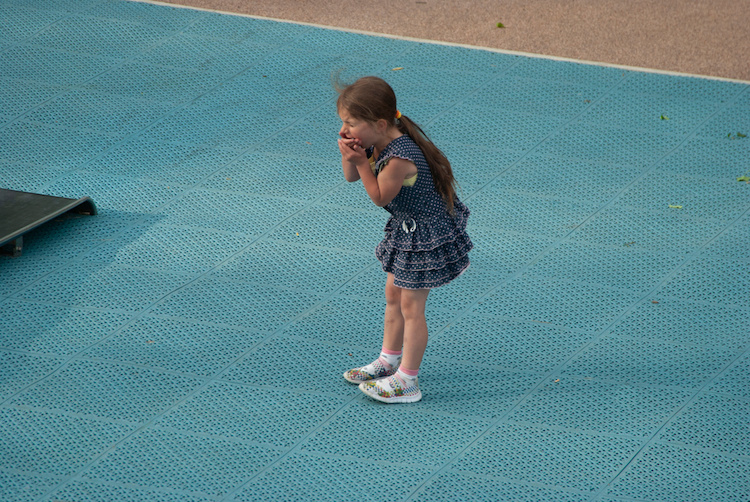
(187, 342)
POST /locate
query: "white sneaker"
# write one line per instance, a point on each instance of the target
(392, 389)
(373, 371)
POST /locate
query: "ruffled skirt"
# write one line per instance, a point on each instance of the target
(427, 252)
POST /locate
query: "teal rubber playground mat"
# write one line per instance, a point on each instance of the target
(187, 343)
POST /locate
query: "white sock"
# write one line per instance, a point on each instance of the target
(390, 356)
(408, 376)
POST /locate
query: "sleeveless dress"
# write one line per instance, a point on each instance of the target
(424, 246)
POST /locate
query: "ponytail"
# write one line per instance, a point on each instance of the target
(440, 167)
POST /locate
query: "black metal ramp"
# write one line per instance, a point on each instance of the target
(21, 212)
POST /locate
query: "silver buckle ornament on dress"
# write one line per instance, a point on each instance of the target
(409, 225)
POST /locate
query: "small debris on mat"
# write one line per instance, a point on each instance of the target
(500, 25)
(739, 135)
(674, 207)
(664, 117)
(746, 179)
(398, 68)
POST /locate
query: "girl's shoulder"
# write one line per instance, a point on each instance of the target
(404, 141)
(403, 147)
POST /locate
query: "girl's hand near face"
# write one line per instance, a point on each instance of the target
(350, 142)
(352, 152)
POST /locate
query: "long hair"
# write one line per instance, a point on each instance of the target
(371, 99)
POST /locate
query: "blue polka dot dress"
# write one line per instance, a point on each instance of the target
(424, 246)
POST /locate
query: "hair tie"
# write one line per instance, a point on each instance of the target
(398, 114)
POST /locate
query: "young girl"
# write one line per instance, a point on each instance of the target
(425, 244)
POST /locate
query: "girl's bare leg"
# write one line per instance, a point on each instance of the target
(405, 325)
(393, 327)
(393, 340)
(415, 327)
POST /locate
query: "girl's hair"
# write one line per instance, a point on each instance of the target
(371, 99)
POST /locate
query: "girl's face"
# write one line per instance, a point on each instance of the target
(365, 133)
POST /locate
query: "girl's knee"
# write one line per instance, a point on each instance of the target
(413, 303)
